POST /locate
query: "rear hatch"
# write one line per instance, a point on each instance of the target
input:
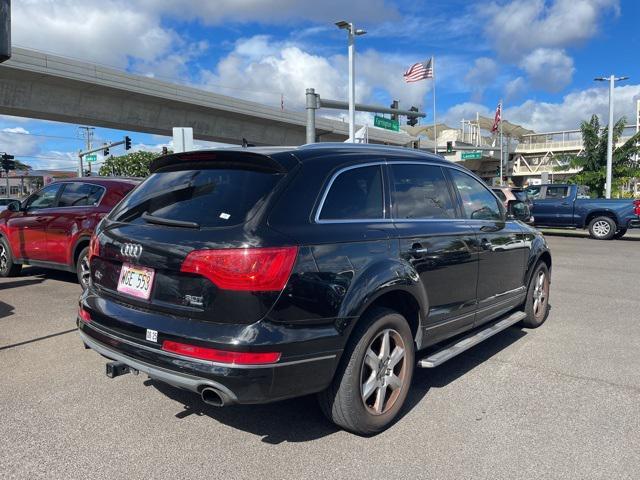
(191, 240)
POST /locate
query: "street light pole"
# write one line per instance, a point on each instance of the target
(352, 32)
(612, 80)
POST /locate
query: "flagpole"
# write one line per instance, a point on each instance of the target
(435, 128)
(501, 144)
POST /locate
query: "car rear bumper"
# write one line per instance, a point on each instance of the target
(306, 364)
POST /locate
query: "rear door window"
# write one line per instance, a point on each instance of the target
(421, 192)
(556, 192)
(77, 194)
(355, 194)
(206, 197)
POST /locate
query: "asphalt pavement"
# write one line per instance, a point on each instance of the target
(561, 401)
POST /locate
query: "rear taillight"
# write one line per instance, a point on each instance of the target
(84, 315)
(636, 207)
(253, 269)
(222, 356)
(94, 247)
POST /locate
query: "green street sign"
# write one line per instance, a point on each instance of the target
(91, 158)
(471, 155)
(387, 123)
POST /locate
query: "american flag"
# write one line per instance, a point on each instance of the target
(419, 71)
(497, 119)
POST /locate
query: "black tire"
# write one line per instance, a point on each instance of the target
(602, 228)
(537, 312)
(345, 403)
(620, 233)
(82, 265)
(7, 267)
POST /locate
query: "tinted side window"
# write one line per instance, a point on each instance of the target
(421, 192)
(78, 194)
(355, 194)
(556, 192)
(45, 198)
(477, 201)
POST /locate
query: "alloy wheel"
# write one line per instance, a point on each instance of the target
(540, 295)
(384, 371)
(601, 228)
(3, 258)
(85, 272)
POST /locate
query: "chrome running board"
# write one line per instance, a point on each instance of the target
(456, 348)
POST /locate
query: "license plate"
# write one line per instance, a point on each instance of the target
(136, 281)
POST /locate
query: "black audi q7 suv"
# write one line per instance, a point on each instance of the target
(259, 274)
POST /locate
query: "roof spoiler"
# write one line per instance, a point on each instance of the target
(242, 159)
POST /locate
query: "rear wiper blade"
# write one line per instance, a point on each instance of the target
(168, 221)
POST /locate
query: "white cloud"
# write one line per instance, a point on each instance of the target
(548, 69)
(262, 70)
(567, 114)
(481, 75)
(108, 32)
(17, 141)
(466, 111)
(574, 108)
(521, 26)
(514, 89)
(275, 11)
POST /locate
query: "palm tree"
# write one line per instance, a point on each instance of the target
(593, 159)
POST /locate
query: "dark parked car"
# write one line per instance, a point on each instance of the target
(254, 275)
(570, 206)
(52, 227)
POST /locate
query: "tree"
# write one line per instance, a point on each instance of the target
(22, 166)
(593, 159)
(135, 164)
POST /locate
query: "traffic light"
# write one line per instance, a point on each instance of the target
(127, 143)
(105, 152)
(165, 150)
(394, 105)
(412, 119)
(449, 147)
(497, 171)
(8, 163)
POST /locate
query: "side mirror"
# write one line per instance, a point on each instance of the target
(518, 210)
(14, 207)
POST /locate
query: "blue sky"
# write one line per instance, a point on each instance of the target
(539, 56)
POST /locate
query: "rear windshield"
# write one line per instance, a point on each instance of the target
(207, 198)
(521, 195)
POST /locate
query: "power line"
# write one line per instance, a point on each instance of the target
(42, 135)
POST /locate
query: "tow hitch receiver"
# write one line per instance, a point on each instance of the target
(115, 369)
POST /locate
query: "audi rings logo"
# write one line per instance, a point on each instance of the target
(131, 250)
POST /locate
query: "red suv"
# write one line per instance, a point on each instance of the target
(52, 227)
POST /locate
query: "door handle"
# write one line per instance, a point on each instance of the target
(418, 249)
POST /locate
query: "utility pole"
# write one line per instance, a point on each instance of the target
(353, 32)
(87, 133)
(612, 80)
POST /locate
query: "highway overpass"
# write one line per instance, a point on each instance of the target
(49, 87)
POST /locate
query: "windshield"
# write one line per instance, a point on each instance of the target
(200, 198)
